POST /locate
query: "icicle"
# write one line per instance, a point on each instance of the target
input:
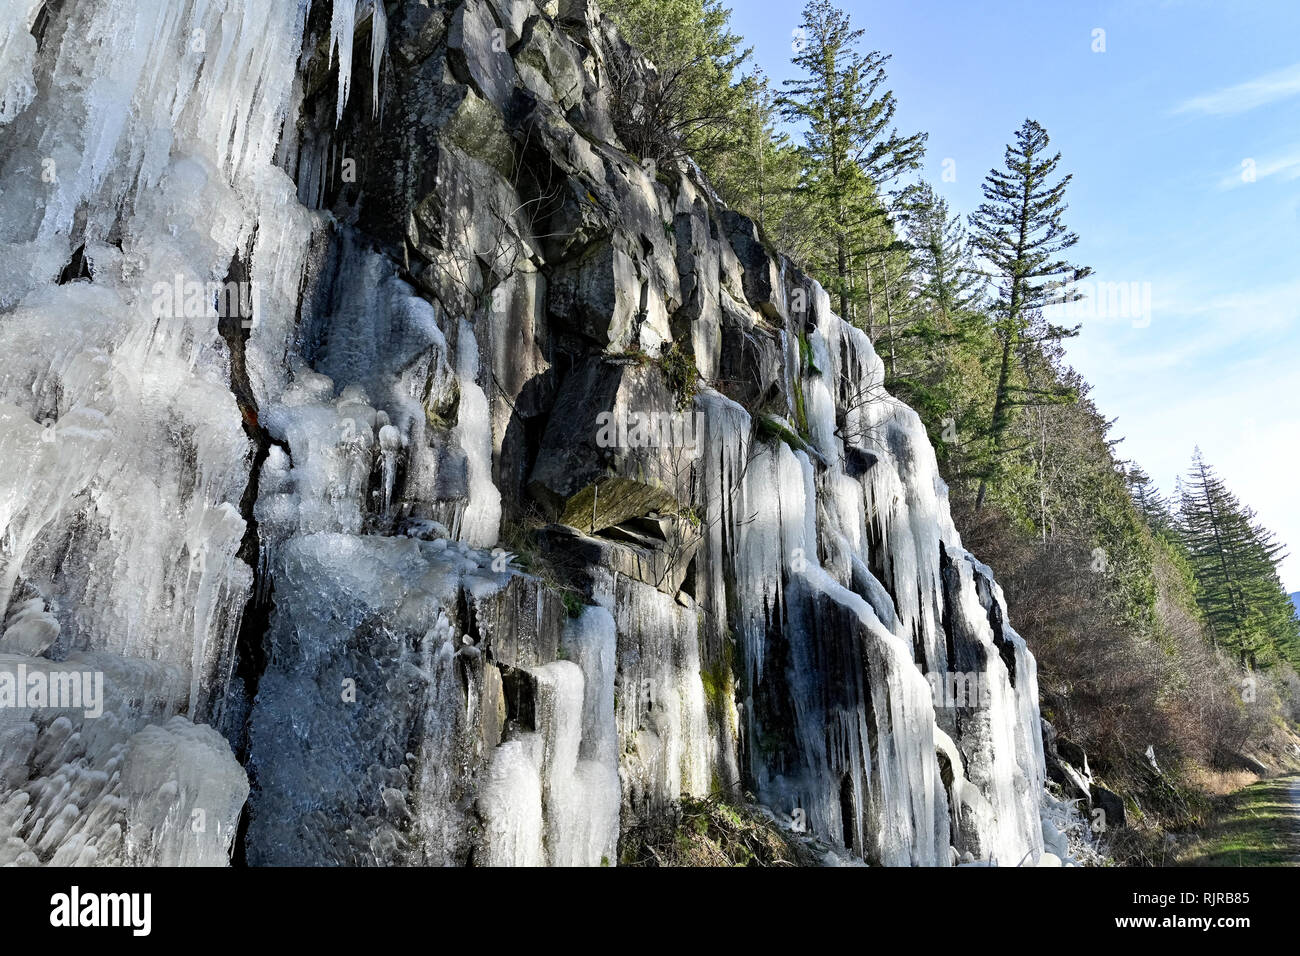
(390, 446)
(342, 28)
(553, 795)
(378, 47)
(17, 56)
(480, 524)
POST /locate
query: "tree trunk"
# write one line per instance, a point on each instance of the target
(998, 425)
(842, 269)
(889, 319)
(871, 308)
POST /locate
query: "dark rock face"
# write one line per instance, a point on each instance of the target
(751, 365)
(761, 273)
(604, 458)
(493, 181)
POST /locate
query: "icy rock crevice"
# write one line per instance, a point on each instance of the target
(769, 601)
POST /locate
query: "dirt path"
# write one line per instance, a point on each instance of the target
(1257, 826)
(1295, 823)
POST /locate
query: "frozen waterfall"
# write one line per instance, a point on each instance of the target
(281, 534)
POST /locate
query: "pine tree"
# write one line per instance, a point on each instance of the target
(851, 148)
(1235, 562)
(924, 311)
(948, 283)
(887, 283)
(1019, 230)
(697, 99)
(1156, 509)
(761, 178)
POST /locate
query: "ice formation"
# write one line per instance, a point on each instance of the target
(17, 53)
(378, 48)
(553, 795)
(282, 522)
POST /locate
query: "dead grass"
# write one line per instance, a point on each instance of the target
(1220, 783)
(712, 832)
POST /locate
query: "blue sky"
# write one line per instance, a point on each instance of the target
(1183, 136)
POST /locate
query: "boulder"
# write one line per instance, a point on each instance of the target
(660, 559)
(1070, 773)
(761, 278)
(549, 64)
(478, 53)
(1112, 805)
(513, 14)
(610, 451)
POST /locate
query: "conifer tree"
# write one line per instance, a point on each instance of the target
(761, 178)
(851, 147)
(696, 101)
(1156, 509)
(948, 283)
(1019, 230)
(1235, 562)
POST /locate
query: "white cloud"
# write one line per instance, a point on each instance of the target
(1190, 330)
(1269, 88)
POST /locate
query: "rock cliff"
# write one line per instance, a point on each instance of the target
(523, 489)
